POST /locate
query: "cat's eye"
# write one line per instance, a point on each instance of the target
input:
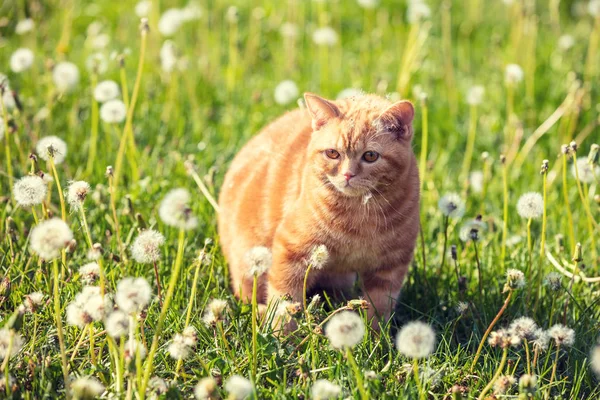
(370, 156)
(331, 153)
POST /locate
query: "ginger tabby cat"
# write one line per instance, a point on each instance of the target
(340, 174)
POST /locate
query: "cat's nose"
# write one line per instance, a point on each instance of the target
(348, 175)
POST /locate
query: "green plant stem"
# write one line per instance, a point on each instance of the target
(527, 355)
(357, 374)
(59, 327)
(188, 314)
(496, 375)
(422, 394)
(163, 314)
(505, 214)
(553, 374)
(6, 361)
(446, 220)
(9, 170)
(489, 329)
(94, 129)
(529, 247)
(254, 328)
(88, 236)
(424, 144)
(571, 226)
(63, 208)
(588, 212)
(470, 145)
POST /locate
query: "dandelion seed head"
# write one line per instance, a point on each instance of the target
(286, 92)
(325, 36)
(146, 247)
(133, 294)
(530, 205)
(524, 327)
(259, 260)
(175, 211)
(89, 273)
(33, 301)
(65, 76)
(553, 281)
(469, 231)
(51, 146)
(417, 11)
(24, 26)
(168, 56)
(21, 60)
(451, 205)
(95, 252)
(476, 181)
(30, 190)
(475, 95)
(178, 348)
(503, 384)
(323, 389)
(585, 171)
(368, 4)
(77, 192)
(528, 384)
(345, 330)
(416, 340)
(562, 335)
(49, 237)
(462, 307)
(11, 382)
(170, 21)
(87, 388)
(503, 338)
(132, 347)
(117, 324)
(565, 42)
(89, 305)
(594, 8)
(515, 279)
(96, 63)
(214, 311)
(595, 360)
(205, 388)
(106, 91)
(513, 74)
(143, 8)
(6, 336)
(542, 340)
(113, 111)
(238, 387)
(318, 256)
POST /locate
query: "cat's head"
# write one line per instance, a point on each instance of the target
(360, 146)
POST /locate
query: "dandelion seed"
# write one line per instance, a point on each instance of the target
(515, 279)
(175, 211)
(51, 146)
(325, 36)
(259, 260)
(524, 327)
(214, 311)
(24, 26)
(87, 388)
(462, 307)
(238, 387)
(113, 112)
(30, 190)
(65, 76)
(475, 95)
(33, 301)
(21, 60)
(9, 99)
(133, 294)
(595, 360)
(528, 384)
(451, 205)
(88, 306)
(77, 192)
(349, 93)
(289, 30)
(95, 252)
(49, 237)
(168, 56)
(541, 341)
(553, 281)
(322, 389)
(513, 74)
(503, 384)
(503, 338)
(143, 8)
(146, 247)
(97, 63)
(530, 205)
(117, 324)
(585, 170)
(417, 11)
(470, 230)
(345, 330)
(170, 21)
(562, 335)
(106, 91)
(89, 273)
(179, 348)
(6, 337)
(476, 181)
(132, 348)
(286, 92)
(314, 302)
(205, 258)
(594, 8)
(416, 340)
(565, 42)
(318, 257)
(158, 385)
(205, 389)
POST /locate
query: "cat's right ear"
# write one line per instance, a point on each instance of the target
(321, 110)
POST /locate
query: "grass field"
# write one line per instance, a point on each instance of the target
(498, 88)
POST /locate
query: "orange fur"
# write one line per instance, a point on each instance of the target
(282, 191)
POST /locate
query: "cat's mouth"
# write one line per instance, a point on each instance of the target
(350, 188)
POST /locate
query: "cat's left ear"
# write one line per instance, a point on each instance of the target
(321, 110)
(397, 119)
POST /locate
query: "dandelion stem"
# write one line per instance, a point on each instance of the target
(470, 145)
(304, 294)
(529, 247)
(94, 135)
(158, 287)
(553, 374)
(496, 375)
(204, 190)
(113, 207)
(59, 327)
(254, 328)
(63, 209)
(357, 374)
(571, 226)
(418, 379)
(479, 277)
(82, 336)
(91, 245)
(6, 360)
(446, 219)
(163, 314)
(527, 355)
(188, 315)
(588, 212)
(505, 214)
(489, 329)
(9, 170)
(424, 143)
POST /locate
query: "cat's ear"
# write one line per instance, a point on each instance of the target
(397, 119)
(321, 110)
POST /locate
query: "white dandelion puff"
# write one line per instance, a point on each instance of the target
(368, 4)
(417, 11)
(106, 90)
(451, 205)
(524, 327)
(175, 211)
(52, 146)
(117, 324)
(21, 60)
(133, 347)
(97, 63)
(205, 388)
(259, 260)
(322, 389)
(318, 256)
(238, 387)
(9, 340)
(325, 36)
(345, 330)
(89, 305)
(513, 74)
(289, 30)
(133, 294)
(416, 340)
(33, 301)
(565, 42)
(65, 76)
(586, 172)
(146, 247)
(77, 193)
(476, 181)
(24, 26)
(593, 8)
(475, 95)
(470, 230)
(179, 348)
(515, 279)
(553, 281)
(530, 205)
(562, 335)
(30, 190)
(286, 92)
(214, 311)
(504, 383)
(143, 8)
(89, 273)
(170, 21)
(87, 388)
(595, 360)
(113, 112)
(49, 237)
